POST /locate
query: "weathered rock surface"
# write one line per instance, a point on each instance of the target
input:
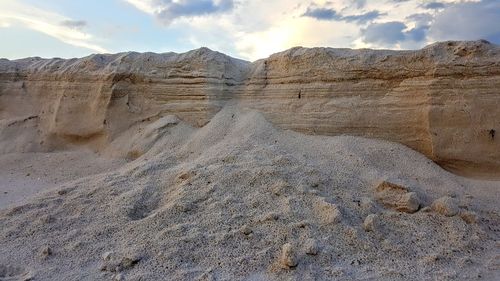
(442, 100)
(397, 197)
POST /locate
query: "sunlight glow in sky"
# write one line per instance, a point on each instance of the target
(247, 29)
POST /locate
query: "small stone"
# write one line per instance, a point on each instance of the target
(469, 216)
(107, 256)
(246, 230)
(446, 206)
(129, 262)
(62, 191)
(288, 258)
(118, 277)
(327, 212)
(45, 251)
(370, 223)
(311, 247)
(426, 209)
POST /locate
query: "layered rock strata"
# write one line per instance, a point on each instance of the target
(442, 100)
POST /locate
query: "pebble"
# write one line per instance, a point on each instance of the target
(288, 258)
(370, 223)
(311, 247)
(246, 230)
(45, 251)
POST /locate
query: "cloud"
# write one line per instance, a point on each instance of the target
(169, 10)
(254, 29)
(421, 18)
(468, 21)
(363, 18)
(387, 33)
(52, 24)
(417, 34)
(359, 3)
(74, 23)
(433, 5)
(323, 13)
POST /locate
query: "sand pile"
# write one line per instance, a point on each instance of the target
(240, 199)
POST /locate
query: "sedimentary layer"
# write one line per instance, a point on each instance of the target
(442, 100)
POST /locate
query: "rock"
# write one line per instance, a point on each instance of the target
(288, 258)
(397, 197)
(118, 277)
(45, 252)
(311, 247)
(327, 213)
(246, 230)
(106, 256)
(446, 206)
(468, 216)
(129, 262)
(426, 209)
(115, 263)
(371, 222)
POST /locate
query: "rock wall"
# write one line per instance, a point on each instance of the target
(442, 100)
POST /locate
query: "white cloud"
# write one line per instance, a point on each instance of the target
(14, 13)
(167, 11)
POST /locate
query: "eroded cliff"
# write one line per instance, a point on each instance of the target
(442, 100)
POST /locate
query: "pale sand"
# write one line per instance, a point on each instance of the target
(23, 175)
(242, 200)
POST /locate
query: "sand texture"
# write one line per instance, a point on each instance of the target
(240, 199)
(312, 164)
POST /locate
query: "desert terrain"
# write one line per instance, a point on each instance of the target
(311, 164)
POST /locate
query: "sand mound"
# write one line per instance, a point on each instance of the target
(239, 199)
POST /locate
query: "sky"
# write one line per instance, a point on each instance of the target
(246, 29)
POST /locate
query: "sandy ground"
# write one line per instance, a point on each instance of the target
(242, 200)
(23, 175)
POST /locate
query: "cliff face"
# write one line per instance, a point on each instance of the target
(442, 100)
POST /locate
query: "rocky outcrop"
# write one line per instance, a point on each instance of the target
(442, 100)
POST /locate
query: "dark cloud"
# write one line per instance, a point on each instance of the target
(417, 34)
(74, 23)
(433, 5)
(453, 21)
(170, 10)
(468, 21)
(388, 33)
(322, 13)
(363, 18)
